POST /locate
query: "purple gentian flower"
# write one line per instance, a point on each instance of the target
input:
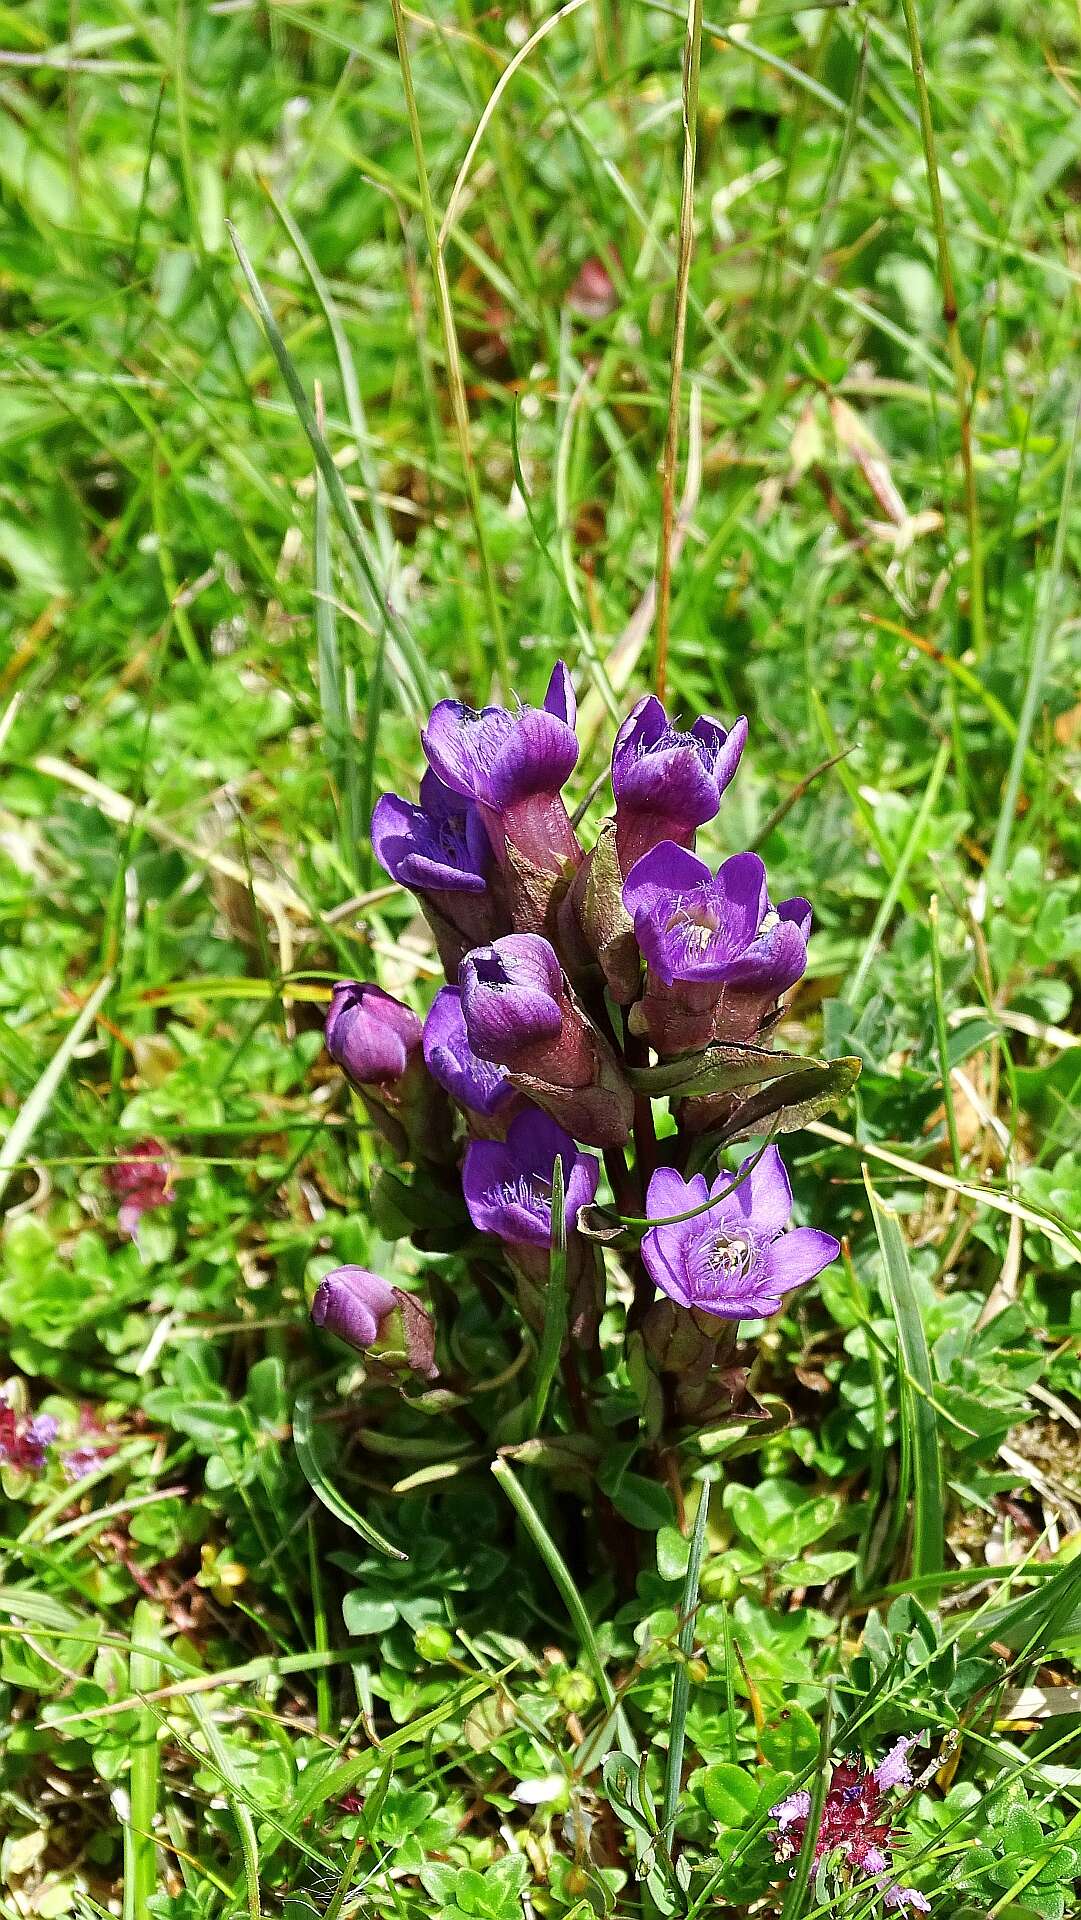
(520, 1013)
(354, 1303)
(440, 849)
(512, 997)
(719, 955)
(508, 1183)
(716, 930)
(513, 767)
(667, 782)
(371, 1036)
(359, 1307)
(476, 1084)
(439, 846)
(736, 1260)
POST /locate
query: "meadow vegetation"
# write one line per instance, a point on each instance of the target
(358, 356)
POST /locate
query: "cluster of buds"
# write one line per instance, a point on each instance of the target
(855, 1831)
(583, 984)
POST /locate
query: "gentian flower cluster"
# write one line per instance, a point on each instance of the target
(585, 984)
(855, 1831)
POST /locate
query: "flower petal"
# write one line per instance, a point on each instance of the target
(559, 699)
(660, 877)
(763, 1199)
(461, 744)
(537, 755)
(740, 891)
(798, 1256)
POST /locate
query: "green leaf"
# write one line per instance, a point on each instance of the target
(791, 1745)
(730, 1794)
(796, 1100)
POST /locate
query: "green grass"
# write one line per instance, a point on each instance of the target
(259, 506)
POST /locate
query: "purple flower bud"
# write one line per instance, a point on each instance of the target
(508, 1183)
(512, 998)
(353, 1303)
(478, 1085)
(714, 945)
(371, 1036)
(520, 1013)
(513, 767)
(902, 1898)
(735, 1260)
(360, 1308)
(667, 782)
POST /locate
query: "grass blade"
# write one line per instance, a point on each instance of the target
(412, 669)
(919, 1422)
(571, 1598)
(324, 1490)
(140, 1847)
(555, 1305)
(16, 1141)
(681, 1685)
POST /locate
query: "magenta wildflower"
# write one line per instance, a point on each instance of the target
(855, 1833)
(141, 1181)
(24, 1442)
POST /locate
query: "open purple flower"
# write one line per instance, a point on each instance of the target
(438, 846)
(513, 767)
(855, 1831)
(713, 945)
(479, 1085)
(667, 782)
(508, 1183)
(371, 1036)
(520, 1013)
(735, 1260)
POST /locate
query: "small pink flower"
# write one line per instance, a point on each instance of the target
(141, 1181)
(24, 1443)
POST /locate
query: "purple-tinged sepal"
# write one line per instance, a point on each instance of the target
(521, 1014)
(668, 782)
(367, 1313)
